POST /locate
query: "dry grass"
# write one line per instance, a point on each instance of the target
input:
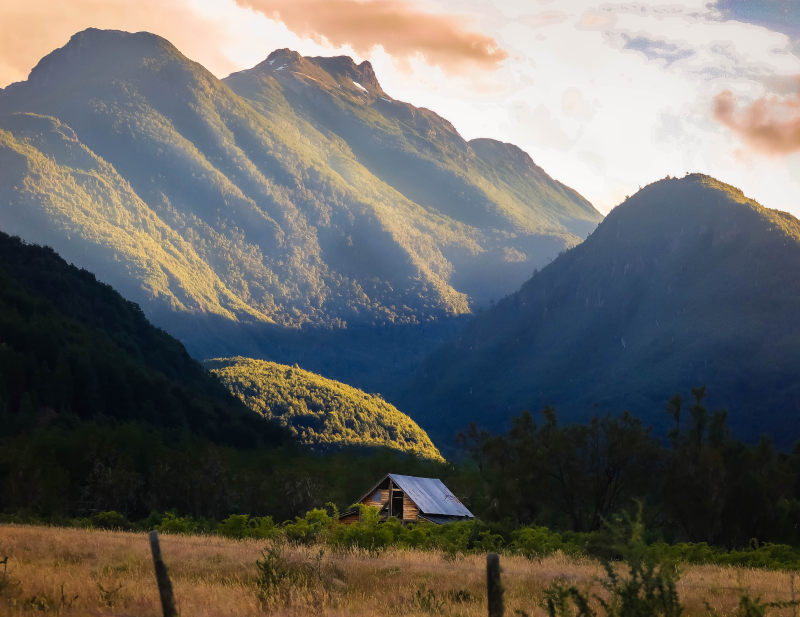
(111, 573)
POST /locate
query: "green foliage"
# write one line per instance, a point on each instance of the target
(646, 587)
(574, 476)
(73, 349)
(307, 529)
(277, 576)
(280, 576)
(705, 494)
(272, 569)
(110, 520)
(368, 532)
(320, 412)
(172, 523)
(240, 526)
(536, 542)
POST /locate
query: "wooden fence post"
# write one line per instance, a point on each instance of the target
(162, 578)
(494, 586)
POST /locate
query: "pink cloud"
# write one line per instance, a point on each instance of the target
(403, 31)
(770, 125)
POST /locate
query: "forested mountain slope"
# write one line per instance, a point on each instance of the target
(72, 349)
(320, 412)
(686, 283)
(516, 214)
(279, 198)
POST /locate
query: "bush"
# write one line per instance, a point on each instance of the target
(368, 532)
(308, 529)
(110, 520)
(240, 526)
(536, 542)
(172, 523)
(646, 589)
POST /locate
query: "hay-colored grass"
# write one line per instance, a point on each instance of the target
(111, 573)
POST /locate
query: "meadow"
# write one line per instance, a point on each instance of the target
(67, 571)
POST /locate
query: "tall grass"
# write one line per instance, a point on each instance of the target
(74, 572)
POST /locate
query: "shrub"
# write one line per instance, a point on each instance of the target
(110, 520)
(308, 529)
(368, 532)
(535, 542)
(647, 589)
(240, 526)
(172, 523)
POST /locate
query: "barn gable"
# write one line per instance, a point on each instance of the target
(411, 498)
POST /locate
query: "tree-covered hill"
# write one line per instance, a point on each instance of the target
(686, 283)
(265, 199)
(72, 349)
(320, 412)
(517, 215)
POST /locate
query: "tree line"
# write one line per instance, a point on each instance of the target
(700, 484)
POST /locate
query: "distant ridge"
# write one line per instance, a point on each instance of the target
(686, 283)
(297, 193)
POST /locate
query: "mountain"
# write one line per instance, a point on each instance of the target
(320, 412)
(517, 215)
(72, 349)
(293, 195)
(687, 283)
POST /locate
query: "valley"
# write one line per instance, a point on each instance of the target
(245, 296)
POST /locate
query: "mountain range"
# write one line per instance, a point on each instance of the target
(297, 194)
(296, 212)
(688, 283)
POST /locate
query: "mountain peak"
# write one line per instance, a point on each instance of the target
(283, 57)
(343, 68)
(335, 71)
(93, 52)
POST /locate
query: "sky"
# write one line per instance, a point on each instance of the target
(605, 96)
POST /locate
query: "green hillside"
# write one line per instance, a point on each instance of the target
(72, 350)
(516, 215)
(686, 283)
(242, 203)
(320, 412)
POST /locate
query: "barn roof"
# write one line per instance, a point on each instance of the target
(431, 495)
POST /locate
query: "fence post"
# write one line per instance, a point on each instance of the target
(494, 586)
(162, 578)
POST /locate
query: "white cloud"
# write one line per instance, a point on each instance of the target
(606, 96)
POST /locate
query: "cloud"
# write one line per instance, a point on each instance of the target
(541, 20)
(403, 31)
(779, 15)
(656, 49)
(592, 20)
(770, 125)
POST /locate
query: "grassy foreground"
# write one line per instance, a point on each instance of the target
(78, 572)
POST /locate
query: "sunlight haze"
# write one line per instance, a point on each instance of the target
(605, 96)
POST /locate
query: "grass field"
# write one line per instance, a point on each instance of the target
(79, 572)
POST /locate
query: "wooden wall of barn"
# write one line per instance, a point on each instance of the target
(410, 510)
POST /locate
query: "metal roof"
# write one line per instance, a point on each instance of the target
(431, 496)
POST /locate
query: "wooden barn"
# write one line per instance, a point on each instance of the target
(411, 499)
